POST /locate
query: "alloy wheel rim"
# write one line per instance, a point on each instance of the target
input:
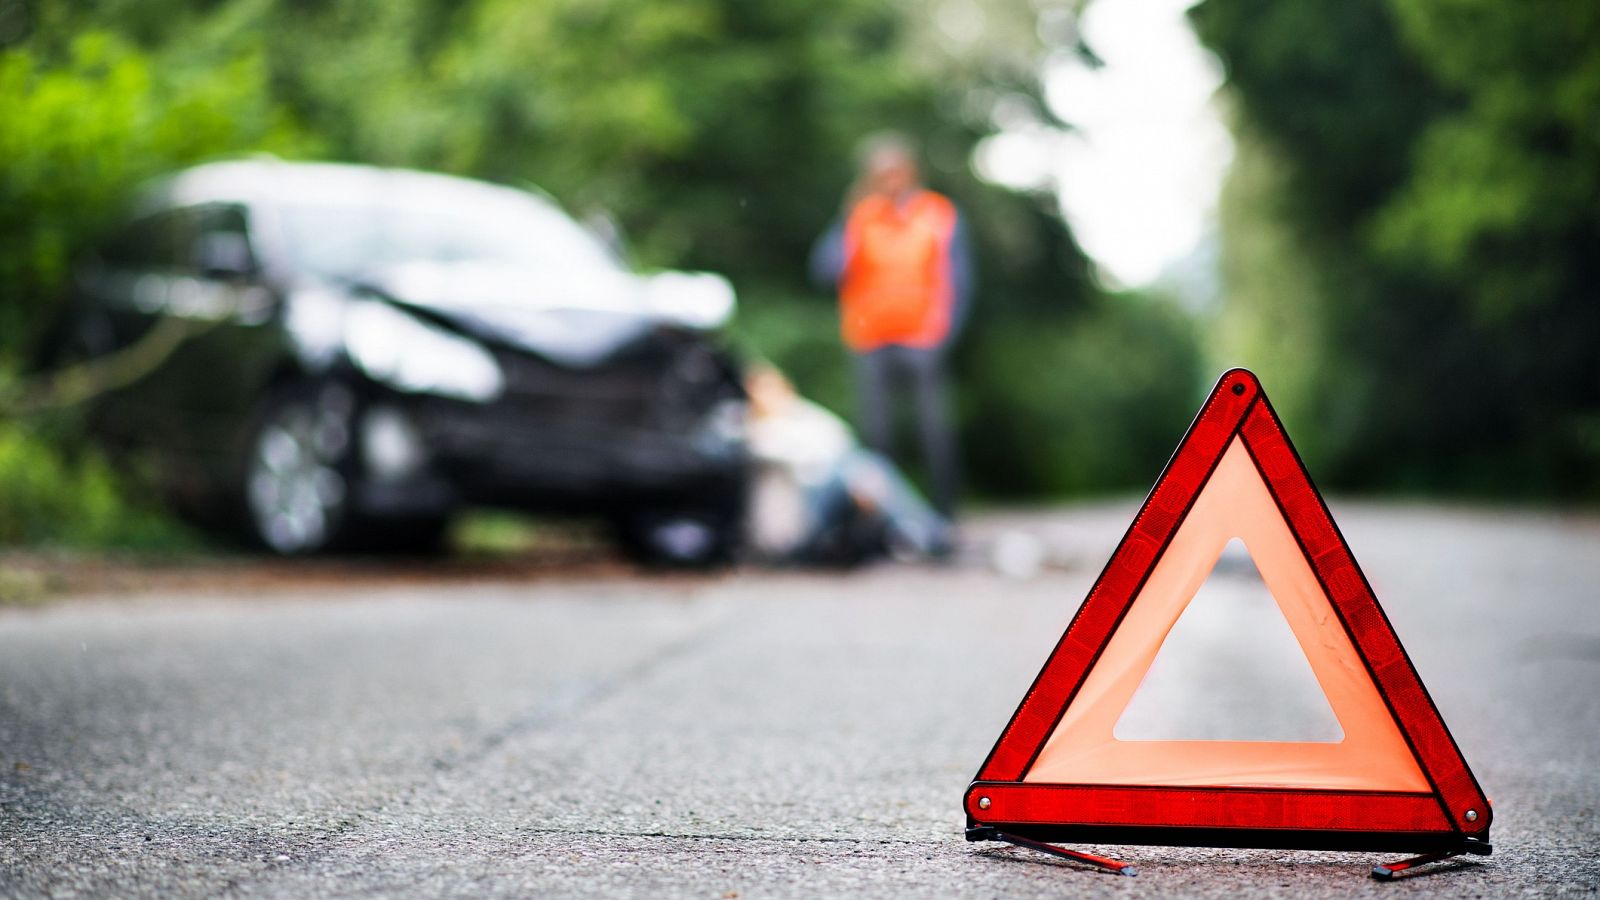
(295, 489)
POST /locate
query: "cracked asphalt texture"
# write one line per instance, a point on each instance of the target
(755, 734)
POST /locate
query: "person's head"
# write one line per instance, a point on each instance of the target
(888, 164)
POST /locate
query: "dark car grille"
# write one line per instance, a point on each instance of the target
(639, 422)
(502, 447)
(539, 389)
(664, 385)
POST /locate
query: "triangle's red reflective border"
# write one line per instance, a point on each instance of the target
(1452, 816)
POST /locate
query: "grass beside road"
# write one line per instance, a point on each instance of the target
(57, 492)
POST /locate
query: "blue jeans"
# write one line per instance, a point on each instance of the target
(865, 487)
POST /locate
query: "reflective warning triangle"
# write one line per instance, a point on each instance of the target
(1397, 780)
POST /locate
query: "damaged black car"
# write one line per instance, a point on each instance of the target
(363, 352)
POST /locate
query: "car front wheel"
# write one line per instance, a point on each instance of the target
(692, 537)
(297, 470)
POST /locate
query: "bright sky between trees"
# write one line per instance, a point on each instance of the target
(1138, 177)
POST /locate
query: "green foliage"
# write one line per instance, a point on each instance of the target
(1433, 225)
(1513, 169)
(719, 132)
(1089, 404)
(51, 497)
(79, 132)
(1271, 320)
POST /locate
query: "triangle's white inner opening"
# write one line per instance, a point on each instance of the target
(1230, 670)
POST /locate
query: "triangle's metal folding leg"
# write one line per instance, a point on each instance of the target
(1115, 867)
(1388, 871)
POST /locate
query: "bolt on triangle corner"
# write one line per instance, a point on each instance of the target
(1397, 782)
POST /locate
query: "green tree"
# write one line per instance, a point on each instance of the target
(1440, 189)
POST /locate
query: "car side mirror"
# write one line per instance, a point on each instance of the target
(224, 256)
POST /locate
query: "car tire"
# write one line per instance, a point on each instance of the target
(696, 537)
(298, 470)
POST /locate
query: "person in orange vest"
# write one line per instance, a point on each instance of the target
(903, 269)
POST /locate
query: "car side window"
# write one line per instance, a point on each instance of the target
(194, 240)
(214, 242)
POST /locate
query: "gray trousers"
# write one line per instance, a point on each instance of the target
(881, 374)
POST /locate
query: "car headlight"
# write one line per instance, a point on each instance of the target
(725, 425)
(411, 355)
(390, 445)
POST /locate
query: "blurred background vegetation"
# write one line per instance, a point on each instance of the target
(1412, 236)
(1410, 232)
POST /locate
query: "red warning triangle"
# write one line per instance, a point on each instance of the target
(1396, 781)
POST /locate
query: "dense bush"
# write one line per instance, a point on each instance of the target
(49, 496)
(1087, 404)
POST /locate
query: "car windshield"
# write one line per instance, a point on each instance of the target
(348, 237)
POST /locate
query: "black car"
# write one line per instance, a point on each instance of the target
(360, 352)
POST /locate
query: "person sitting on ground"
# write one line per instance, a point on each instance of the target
(818, 496)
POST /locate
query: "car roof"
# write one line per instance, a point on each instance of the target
(262, 181)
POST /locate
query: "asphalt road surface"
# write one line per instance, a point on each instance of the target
(757, 734)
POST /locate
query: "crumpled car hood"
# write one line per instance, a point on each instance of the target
(572, 321)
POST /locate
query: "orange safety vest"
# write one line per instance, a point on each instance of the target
(896, 287)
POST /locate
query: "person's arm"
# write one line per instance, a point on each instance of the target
(963, 277)
(827, 257)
